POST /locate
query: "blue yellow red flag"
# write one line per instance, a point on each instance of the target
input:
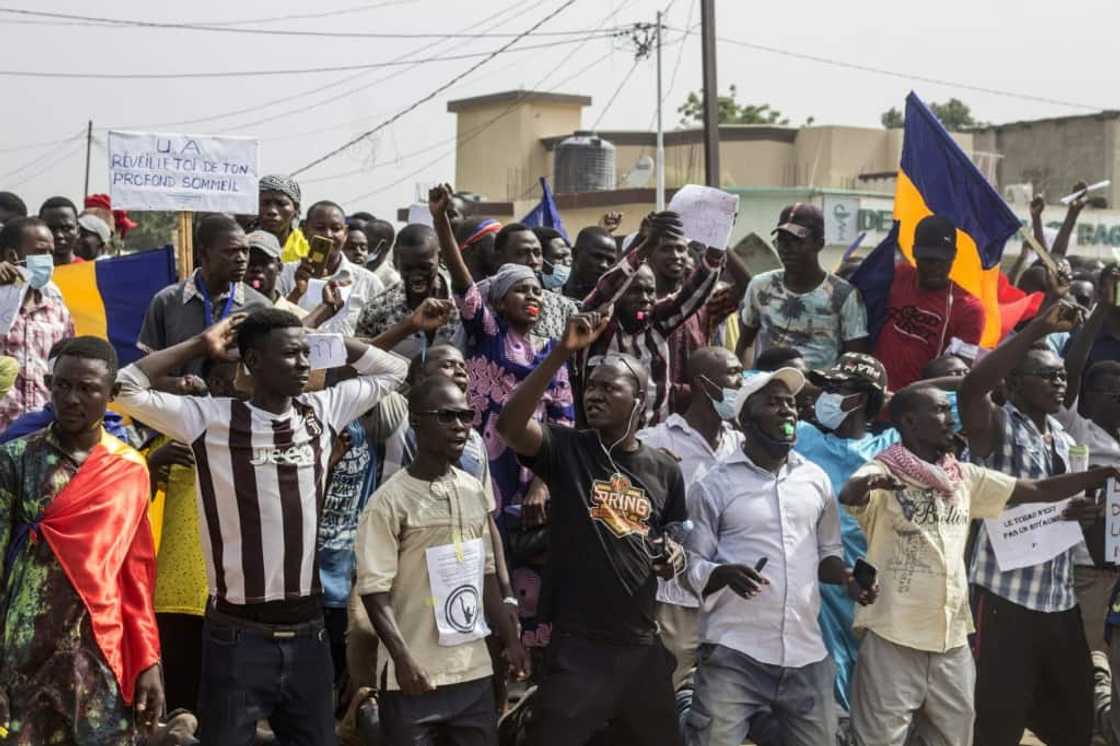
(109, 298)
(936, 176)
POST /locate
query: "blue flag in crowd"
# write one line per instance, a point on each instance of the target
(545, 213)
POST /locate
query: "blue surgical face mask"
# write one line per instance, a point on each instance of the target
(725, 408)
(557, 277)
(829, 410)
(40, 268)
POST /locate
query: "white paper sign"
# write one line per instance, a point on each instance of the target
(314, 296)
(327, 350)
(420, 214)
(708, 213)
(1029, 534)
(456, 574)
(1112, 523)
(149, 171)
(840, 220)
(11, 300)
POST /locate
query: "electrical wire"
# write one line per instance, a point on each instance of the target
(488, 55)
(45, 168)
(125, 22)
(614, 95)
(908, 76)
(353, 141)
(60, 145)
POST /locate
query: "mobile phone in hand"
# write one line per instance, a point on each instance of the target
(865, 574)
(321, 247)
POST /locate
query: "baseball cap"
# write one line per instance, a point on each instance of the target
(266, 242)
(856, 366)
(802, 220)
(755, 381)
(95, 225)
(935, 237)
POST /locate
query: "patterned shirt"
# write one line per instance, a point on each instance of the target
(1021, 451)
(60, 687)
(42, 321)
(816, 322)
(389, 307)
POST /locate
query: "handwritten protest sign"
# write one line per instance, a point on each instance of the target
(1112, 523)
(327, 351)
(1028, 534)
(149, 171)
(11, 300)
(708, 214)
(310, 300)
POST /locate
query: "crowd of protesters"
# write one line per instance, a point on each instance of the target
(614, 492)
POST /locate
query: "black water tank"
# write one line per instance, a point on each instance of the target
(584, 162)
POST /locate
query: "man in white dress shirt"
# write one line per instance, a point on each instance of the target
(698, 439)
(760, 641)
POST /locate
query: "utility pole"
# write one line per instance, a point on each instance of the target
(89, 146)
(660, 201)
(711, 92)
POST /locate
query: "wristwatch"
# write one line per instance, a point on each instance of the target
(511, 601)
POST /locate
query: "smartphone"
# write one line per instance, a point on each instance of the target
(321, 248)
(865, 573)
(760, 564)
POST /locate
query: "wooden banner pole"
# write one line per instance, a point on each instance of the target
(185, 244)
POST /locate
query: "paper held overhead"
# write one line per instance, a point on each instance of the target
(1091, 188)
(708, 214)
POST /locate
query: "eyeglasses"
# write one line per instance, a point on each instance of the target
(450, 416)
(1053, 375)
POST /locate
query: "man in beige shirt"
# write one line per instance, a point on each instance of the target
(915, 502)
(426, 578)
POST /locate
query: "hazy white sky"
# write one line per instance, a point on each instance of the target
(1061, 51)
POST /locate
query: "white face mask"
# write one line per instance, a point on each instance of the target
(829, 410)
(40, 269)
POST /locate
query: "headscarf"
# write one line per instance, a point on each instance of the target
(282, 184)
(506, 277)
(485, 228)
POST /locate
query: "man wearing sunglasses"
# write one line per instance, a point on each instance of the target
(413, 560)
(1032, 659)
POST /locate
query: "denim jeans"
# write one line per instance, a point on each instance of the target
(254, 671)
(732, 688)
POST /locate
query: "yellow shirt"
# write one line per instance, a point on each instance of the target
(180, 565)
(296, 247)
(916, 538)
(404, 517)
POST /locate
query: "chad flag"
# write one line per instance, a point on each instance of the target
(109, 298)
(936, 176)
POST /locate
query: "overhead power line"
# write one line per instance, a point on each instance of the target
(908, 76)
(293, 71)
(355, 140)
(222, 28)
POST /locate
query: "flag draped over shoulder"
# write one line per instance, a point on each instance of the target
(545, 214)
(109, 298)
(97, 527)
(936, 176)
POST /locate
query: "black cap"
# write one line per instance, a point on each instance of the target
(802, 220)
(935, 238)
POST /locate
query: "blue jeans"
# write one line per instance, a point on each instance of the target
(731, 688)
(251, 672)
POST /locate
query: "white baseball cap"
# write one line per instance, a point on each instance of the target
(755, 380)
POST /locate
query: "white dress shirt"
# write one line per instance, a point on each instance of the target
(363, 286)
(695, 456)
(743, 513)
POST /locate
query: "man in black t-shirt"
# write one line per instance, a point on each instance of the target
(612, 498)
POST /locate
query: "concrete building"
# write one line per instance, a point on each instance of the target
(507, 141)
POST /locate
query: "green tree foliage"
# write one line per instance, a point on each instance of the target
(156, 229)
(954, 114)
(730, 111)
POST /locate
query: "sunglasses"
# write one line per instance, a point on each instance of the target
(1053, 375)
(450, 416)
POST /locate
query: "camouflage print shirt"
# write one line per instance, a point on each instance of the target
(59, 687)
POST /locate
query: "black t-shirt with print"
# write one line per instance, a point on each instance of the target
(600, 580)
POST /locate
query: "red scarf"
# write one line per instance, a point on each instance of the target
(98, 528)
(943, 477)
